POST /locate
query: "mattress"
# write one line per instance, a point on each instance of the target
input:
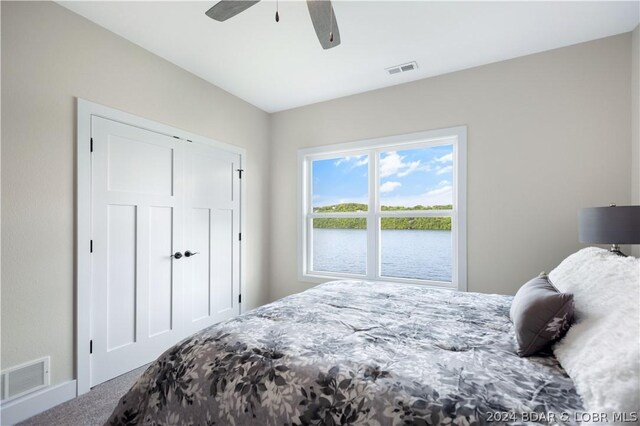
(355, 352)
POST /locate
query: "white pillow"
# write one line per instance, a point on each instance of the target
(601, 351)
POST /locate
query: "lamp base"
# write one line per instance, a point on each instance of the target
(616, 249)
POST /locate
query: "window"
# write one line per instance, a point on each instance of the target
(390, 209)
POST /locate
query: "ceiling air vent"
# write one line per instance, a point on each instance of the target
(402, 68)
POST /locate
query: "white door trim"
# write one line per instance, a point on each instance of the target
(85, 110)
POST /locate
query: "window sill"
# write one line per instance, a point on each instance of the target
(322, 278)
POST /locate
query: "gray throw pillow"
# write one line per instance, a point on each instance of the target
(540, 315)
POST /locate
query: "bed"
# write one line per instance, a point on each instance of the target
(355, 352)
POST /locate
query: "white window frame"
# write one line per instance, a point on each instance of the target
(456, 136)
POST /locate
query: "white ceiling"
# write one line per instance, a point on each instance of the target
(277, 66)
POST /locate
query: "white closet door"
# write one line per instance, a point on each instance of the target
(212, 227)
(137, 226)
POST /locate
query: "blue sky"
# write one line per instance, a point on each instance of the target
(407, 178)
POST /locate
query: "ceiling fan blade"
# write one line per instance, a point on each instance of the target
(226, 9)
(324, 22)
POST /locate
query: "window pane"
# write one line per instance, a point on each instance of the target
(416, 247)
(340, 184)
(340, 245)
(417, 179)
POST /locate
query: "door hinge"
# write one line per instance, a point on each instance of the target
(91, 246)
(240, 236)
(91, 144)
(240, 172)
(90, 346)
(239, 298)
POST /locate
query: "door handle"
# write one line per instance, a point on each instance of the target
(177, 255)
(189, 254)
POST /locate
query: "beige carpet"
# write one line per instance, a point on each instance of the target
(90, 409)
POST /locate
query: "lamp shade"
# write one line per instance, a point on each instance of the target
(610, 225)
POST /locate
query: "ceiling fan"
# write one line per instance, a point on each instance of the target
(321, 11)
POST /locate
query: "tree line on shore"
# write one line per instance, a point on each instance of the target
(387, 223)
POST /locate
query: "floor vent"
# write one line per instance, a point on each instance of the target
(25, 378)
(402, 68)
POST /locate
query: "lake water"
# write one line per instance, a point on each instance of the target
(414, 254)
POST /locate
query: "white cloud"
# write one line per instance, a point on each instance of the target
(439, 191)
(356, 161)
(391, 164)
(362, 162)
(394, 164)
(444, 182)
(437, 196)
(447, 158)
(412, 167)
(328, 200)
(443, 170)
(389, 186)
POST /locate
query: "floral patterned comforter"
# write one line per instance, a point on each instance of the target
(353, 352)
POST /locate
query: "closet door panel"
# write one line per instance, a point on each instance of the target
(212, 180)
(160, 270)
(222, 246)
(139, 166)
(212, 198)
(200, 265)
(137, 224)
(121, 276)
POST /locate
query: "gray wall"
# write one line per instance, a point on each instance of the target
(50, 56)
(547, 134)
(635, 122)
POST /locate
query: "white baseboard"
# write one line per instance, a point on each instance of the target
(17, 410)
